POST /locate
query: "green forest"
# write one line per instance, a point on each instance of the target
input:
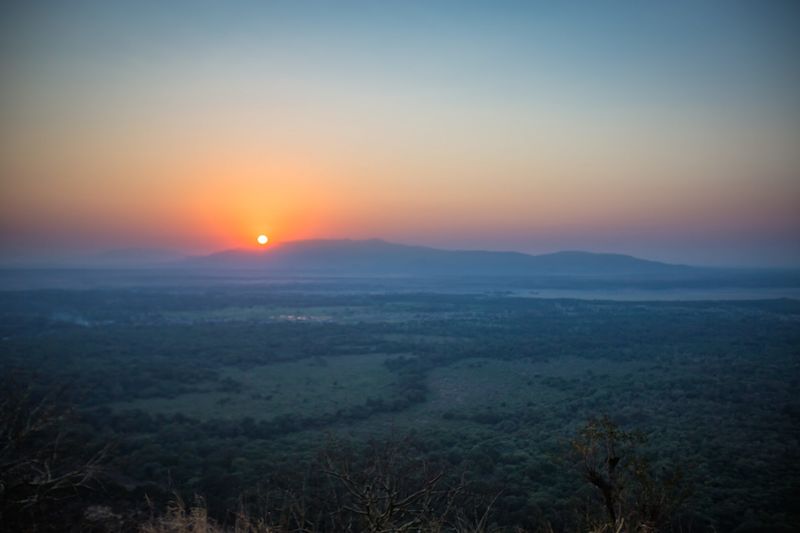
(288, 409)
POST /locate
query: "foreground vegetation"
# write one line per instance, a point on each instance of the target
(388, 486)
(254, 398)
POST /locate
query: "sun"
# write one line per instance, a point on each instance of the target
(262, 239)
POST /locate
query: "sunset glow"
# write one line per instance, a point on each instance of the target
(393, 265)
(553, 129)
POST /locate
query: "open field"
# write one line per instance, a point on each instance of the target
(309, 387)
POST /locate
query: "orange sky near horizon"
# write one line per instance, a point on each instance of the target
(468, 131)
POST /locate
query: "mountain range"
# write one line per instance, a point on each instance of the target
(379, 257)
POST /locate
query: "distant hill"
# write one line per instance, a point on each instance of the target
(376, 257)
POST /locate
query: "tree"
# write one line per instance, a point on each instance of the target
(39, 470)
(633, 497)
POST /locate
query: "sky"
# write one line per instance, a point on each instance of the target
(666, 130)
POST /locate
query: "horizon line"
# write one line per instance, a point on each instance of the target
(95, 260)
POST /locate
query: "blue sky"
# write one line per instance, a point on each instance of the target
(664, 130)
